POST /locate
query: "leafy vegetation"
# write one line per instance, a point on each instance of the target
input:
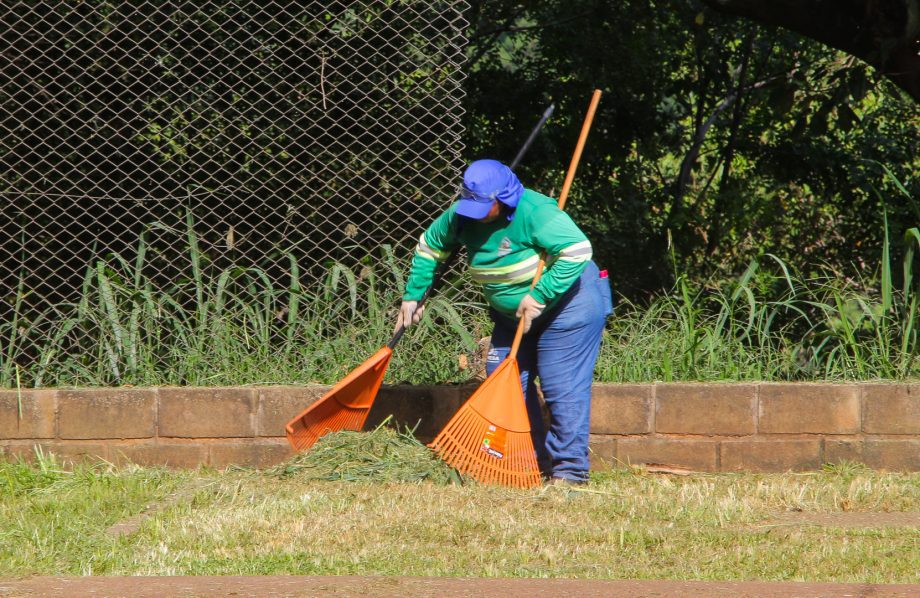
(230, 328)
(774, 324)
(753, 193)
(327, 129)
(716, 140)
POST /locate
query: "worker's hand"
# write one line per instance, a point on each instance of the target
(529, 309)
(409, 313)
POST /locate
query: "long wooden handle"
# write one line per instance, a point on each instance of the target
(563, 195)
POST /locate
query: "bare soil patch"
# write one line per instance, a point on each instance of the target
(849, 520)
(130, 525)
(348, 586)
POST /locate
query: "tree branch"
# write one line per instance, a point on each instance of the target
(690, 158)
(883, 33)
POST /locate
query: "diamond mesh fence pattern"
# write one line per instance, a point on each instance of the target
(238, 133)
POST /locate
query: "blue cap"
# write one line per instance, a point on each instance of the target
(485, 181)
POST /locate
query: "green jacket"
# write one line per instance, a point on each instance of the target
(503, 255)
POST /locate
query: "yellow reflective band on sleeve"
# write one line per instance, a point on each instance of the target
(423, 249)
(578, 252)
(424, 255)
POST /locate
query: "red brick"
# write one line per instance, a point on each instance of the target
(280, 404)
(446, 402)
(708, 409)
(156, 454)
(603, 453)
(836, 451)
(809, 409)
(894, 455)
(65, 453)
(107, 413)
(207, 412)
(698, 455)
(38, 414)
(891, 409)
(621, 408)
(771, 455)
(273, 453)
(243, 454)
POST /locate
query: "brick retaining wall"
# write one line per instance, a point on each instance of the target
(702, 427)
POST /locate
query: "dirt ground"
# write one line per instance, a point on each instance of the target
(849, 520)
(386, 587)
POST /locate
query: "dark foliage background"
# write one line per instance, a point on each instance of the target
(717, 140)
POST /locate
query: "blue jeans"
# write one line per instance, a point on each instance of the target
(561, 349)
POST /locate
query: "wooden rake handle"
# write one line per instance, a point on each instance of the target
(563, 195)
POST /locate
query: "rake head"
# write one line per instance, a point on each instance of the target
(325, 416)
(489, 437)
(344, 407)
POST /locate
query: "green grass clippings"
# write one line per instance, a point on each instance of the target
(381, 455)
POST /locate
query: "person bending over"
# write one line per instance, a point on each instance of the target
(505, 228)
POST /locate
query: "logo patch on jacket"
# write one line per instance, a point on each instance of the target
(504, 248)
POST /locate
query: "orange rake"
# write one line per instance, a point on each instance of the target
(489, 439)
(344, 407)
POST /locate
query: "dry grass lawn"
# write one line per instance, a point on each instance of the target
(625, 524)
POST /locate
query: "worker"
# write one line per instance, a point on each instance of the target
(505, 228)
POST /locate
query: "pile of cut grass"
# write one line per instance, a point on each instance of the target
(381, 455)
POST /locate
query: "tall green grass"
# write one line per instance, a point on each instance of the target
(774, 324)
(237, 326)
(234, 326)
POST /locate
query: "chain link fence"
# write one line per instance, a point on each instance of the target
(172, 140)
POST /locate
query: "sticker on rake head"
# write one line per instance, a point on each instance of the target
(494, 442)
